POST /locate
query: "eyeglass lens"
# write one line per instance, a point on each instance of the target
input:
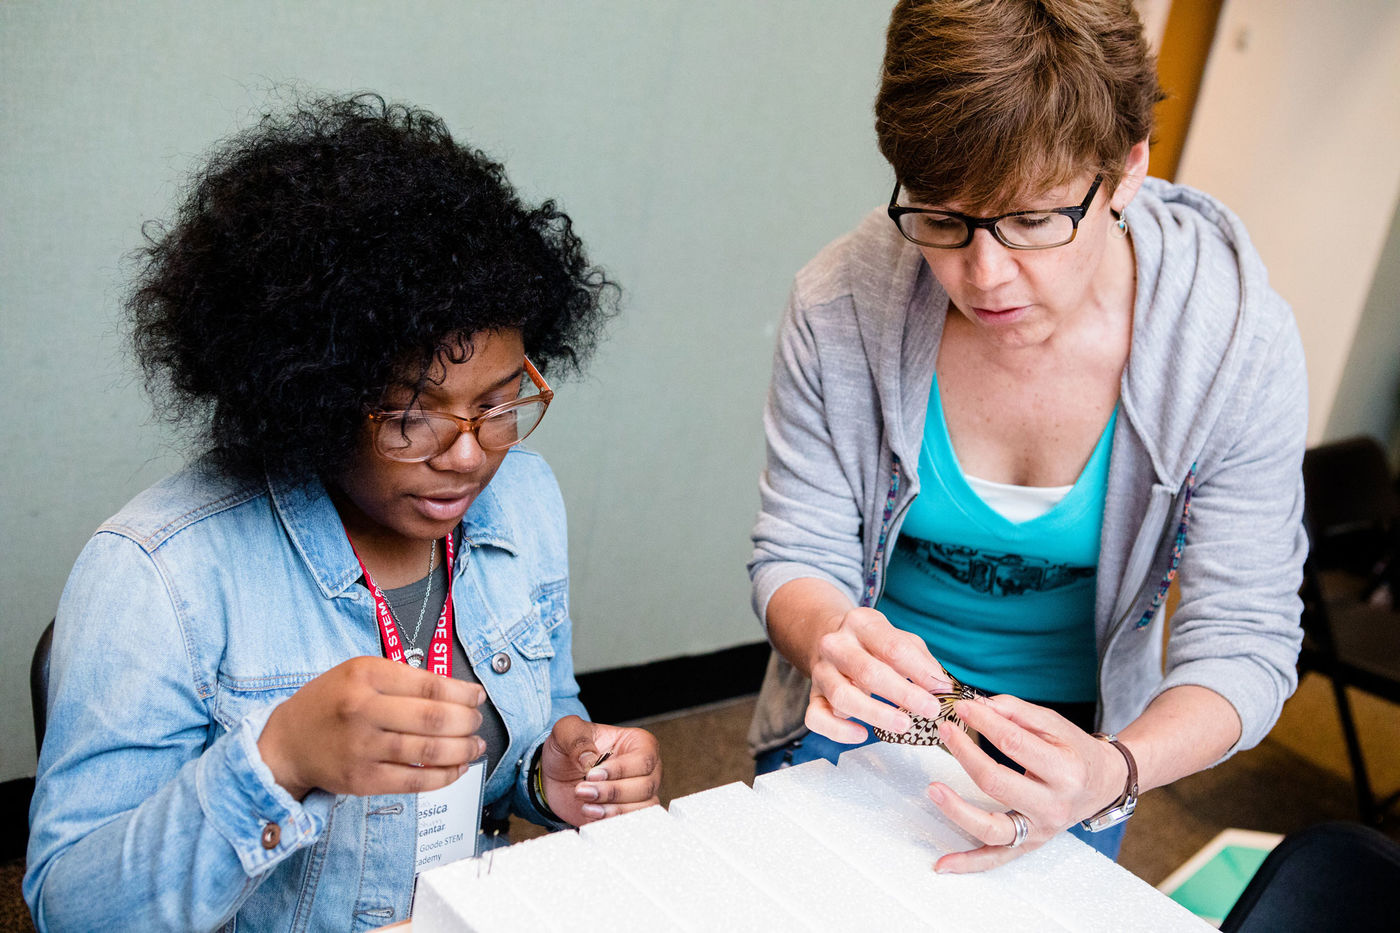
(1040, 229)
(419, 435)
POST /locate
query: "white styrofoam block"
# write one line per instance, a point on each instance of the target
(1065, 878)
(813, 847)
(699, 889)
(896, 852)
(563, 871)
(809, 879)
(905, 766)
(464, 898)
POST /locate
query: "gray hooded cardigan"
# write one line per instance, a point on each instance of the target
(1204, 478)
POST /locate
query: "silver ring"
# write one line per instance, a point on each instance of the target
(1022, 826)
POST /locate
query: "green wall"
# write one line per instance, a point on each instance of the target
(705, 150)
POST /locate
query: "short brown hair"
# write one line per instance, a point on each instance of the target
(989, 100)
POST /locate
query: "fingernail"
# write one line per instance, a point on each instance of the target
(592, 811)
(903, 723)
(597, 774)
(586, 792)
(935, 793)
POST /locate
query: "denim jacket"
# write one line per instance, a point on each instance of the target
(191, 614)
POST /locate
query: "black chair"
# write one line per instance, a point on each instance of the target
(1353, 518)
(1330, 877)
(39, 684)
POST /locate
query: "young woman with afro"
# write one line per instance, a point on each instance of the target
(248, 713)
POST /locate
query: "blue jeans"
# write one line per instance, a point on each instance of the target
(814, 745)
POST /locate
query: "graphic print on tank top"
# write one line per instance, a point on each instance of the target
(989, 572)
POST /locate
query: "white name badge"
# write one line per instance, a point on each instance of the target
(449, 820)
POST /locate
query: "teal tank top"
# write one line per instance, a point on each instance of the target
(1006, 606)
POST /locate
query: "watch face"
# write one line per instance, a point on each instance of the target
(1111, 817)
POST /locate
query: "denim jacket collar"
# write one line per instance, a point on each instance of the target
(314, 527)
(488, 523)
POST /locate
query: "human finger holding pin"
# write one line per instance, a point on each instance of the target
(591, 771)
(1008, 412)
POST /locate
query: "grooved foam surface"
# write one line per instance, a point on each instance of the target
(815, 847)
(656, 852)
(1079, 887)
(896, 850)
(818, 884)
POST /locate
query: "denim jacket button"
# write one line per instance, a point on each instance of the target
(500, 663)
(271, 835)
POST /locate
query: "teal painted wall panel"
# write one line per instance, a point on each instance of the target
(705, 151)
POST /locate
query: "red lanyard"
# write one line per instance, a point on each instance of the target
(440, 651)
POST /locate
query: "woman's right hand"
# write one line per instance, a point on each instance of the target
(374, 726)
(859, 658)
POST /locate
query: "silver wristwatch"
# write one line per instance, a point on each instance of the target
(1123, 807)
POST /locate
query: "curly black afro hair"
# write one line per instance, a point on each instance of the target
(330, 252)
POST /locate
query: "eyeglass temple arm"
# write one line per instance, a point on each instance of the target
(534, 374)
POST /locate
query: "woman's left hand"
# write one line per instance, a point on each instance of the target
(1070, 775)
(579, 790)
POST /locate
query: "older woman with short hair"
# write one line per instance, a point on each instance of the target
(1007, 412)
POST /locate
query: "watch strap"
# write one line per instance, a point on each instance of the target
(1123, 807)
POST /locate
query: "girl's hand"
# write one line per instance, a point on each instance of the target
(864, 657)
(374, 726)
(580, 790)
(1070, 775)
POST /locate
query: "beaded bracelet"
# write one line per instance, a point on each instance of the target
(535, 786)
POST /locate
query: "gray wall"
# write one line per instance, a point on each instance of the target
(1368, 397)
(705, 150)
(1299, 113)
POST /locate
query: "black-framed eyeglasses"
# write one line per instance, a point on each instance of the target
(1041, 229)
(416, 435)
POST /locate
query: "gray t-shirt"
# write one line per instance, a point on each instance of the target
(405, 603)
